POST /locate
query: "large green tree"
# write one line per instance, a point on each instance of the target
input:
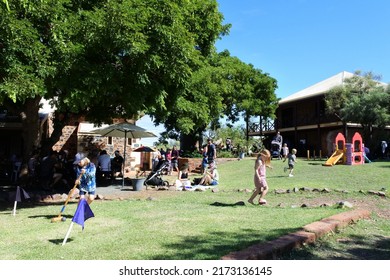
(102, 58)
(362, 99)
(223, 87)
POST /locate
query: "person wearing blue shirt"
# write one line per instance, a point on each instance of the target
(86, 179)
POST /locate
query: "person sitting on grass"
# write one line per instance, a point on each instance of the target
(182, 180)
(210, 176)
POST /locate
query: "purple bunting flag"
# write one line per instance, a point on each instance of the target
(83, 213)
(21, 194)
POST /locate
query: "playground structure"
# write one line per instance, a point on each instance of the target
(347, 153)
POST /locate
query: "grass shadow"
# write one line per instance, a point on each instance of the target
(353, 247)
(221, 204)
(49, 217)
(59, 241)
(215, 245)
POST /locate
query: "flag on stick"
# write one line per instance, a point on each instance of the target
(20, 195)
(83, 213)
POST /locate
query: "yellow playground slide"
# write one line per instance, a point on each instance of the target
(334, 158)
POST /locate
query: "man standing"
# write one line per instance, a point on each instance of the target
(211, 151)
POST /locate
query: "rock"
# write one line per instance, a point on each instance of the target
(381, 193)
(304, 205)
(326, 190)
(76, 193)
(46, 198)
(57, 197)
(215, 190)
(345, 204)
(306, 189)
(373, 192)
(295, 189)
(280, 191)
(325, 205)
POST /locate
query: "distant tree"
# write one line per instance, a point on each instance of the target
(361, 99)
(223, 87)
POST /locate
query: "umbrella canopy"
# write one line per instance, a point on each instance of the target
(123, 130)
(145, 149)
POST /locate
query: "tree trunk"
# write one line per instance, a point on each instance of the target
(31, 126)
(33, 131)
(190, 143)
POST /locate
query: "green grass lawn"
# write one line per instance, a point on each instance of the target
(193, 225)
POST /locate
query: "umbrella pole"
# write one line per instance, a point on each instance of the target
(124, 161)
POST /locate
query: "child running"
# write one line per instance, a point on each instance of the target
(292, 159)
(262, 161)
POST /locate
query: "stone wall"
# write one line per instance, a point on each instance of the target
(194, 164)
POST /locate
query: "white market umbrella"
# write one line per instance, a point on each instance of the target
(123, 130)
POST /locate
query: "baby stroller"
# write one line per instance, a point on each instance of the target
(276, 149)
(154, 178)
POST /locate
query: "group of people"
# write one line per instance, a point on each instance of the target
(85, 171)
(210, 175)
(109, 167)
(170, 156)
(50, 170)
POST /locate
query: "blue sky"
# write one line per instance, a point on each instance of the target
(302, 42)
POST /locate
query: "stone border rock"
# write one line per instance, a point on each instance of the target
(309, 234)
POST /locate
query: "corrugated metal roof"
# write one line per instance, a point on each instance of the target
(318, 88)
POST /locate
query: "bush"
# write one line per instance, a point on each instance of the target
(225, 154)
(193, 154)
